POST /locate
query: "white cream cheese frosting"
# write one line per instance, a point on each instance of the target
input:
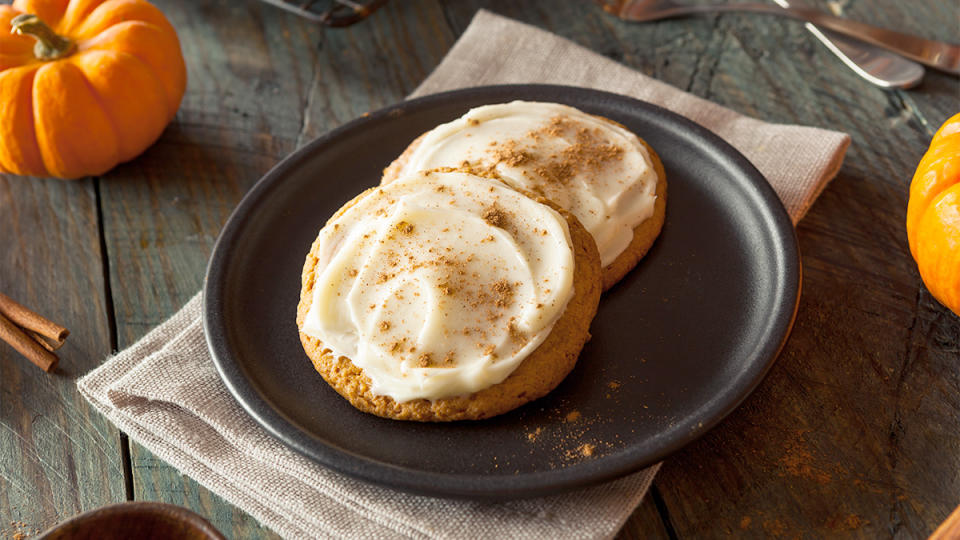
(595, 169)
(440, 284)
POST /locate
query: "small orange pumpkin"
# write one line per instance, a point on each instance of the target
(84, 84)
(933, 215)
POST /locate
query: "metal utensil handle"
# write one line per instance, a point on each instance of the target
(881, 67)
(936, 54)
(878, 66)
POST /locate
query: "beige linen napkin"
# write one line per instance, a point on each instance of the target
(165, 394)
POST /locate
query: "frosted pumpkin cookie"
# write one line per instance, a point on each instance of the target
(609, 178)
(446, 296)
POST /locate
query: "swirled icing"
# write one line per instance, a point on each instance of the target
(594, 168)
(439, 284)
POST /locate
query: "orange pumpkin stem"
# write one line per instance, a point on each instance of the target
(50, 45)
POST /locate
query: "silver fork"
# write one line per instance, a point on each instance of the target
(878, 66)
(936, 54)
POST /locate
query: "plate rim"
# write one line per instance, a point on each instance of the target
(482, 486)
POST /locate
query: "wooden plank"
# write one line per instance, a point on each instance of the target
(261, 82)
(646, 522)
(643, 47)
(839, 438)
(58, 456)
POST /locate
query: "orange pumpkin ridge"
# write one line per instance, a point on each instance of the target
(93, 83)
(933, 215)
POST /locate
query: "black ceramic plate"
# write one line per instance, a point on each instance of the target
(676, 346)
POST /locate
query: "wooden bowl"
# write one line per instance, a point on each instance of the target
(140, 520)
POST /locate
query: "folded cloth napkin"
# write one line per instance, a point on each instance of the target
(165, 394)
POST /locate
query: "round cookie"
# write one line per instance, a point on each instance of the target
(644, 234)
(536, 375)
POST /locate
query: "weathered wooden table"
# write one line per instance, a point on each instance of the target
(856, 431)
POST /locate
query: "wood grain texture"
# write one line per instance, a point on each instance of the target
(838, 440)
(647, 522)
(57, 456)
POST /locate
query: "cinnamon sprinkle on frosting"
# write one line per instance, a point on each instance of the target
(404, 227)
(504, 293)
(495, 216)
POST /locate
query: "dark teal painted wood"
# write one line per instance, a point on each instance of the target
(57, 456)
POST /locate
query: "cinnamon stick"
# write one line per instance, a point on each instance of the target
(26, 345)
(28, 320)
(44, 342)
